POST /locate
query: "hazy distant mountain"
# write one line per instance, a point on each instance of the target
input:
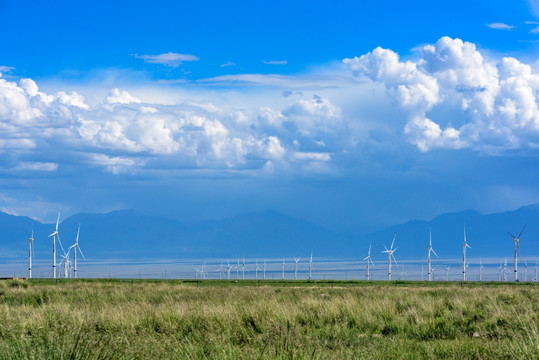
(129, 234)
(486, 234)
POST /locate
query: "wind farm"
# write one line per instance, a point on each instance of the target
(269, 180)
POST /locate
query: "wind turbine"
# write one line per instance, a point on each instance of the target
(282, 275)
(369, 260)
(389, 256)
(464, 246)
(54, 236)
(296, 267)
(65, 261)
(264, 269)
(311, 266)
(516, 240)
(447, 272)
(429, 268)
(76, 247)
(243, 268)
(203, 272)
(228, 267)
(505, 270)
(403, 274)
(30, 254)
(220, 271)
(480, 270)
(525, 272)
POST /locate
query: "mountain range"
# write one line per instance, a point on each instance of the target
(132, 235)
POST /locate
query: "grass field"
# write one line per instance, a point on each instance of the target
(115, 319)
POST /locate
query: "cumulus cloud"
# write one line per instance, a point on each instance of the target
(500, 26)
(169, 59)
(125, 134)
(453, 97)
(117, 96)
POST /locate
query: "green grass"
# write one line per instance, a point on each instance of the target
(175, 319)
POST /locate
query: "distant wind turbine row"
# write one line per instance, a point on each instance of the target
(391, 259)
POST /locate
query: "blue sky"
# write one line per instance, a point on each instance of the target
(351, 115)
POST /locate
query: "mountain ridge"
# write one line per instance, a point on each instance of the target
(269, 233)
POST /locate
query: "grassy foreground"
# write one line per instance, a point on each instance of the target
(221, 320)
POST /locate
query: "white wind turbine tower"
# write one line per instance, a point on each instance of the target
(311, 266)
(481, 269)
(243, 268)
(76, 247)
(220, 271)
(369, 260)
(505, 270)
(516, 240)
(30, 254)
(296, 267)
(447, 272)
(403, 274)
(256, 269)
(65, 261)
(525, 272)
(264, 269)
(282, 275)
(389, 256)
(203, 272)
(54, 236)
(228, 267)
(464, 246)
(429, 268)
(238, 270)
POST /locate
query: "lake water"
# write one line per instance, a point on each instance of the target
(336, 269)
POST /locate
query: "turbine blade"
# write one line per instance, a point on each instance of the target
(395, 260)
(513, 236)
(60, 242)
(78, 231)
(393, 242)
(57, 220)
(435, 253)
(78, 247)
(522, 231)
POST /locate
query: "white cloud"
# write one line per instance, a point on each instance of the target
(500, 26)
(472, 101)
(115, 165)
(312, 156)
(169, 59)
(275, 62)
(117, 96)
(227, 64)
(38, 166)
(6, 69)
(318, 81)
